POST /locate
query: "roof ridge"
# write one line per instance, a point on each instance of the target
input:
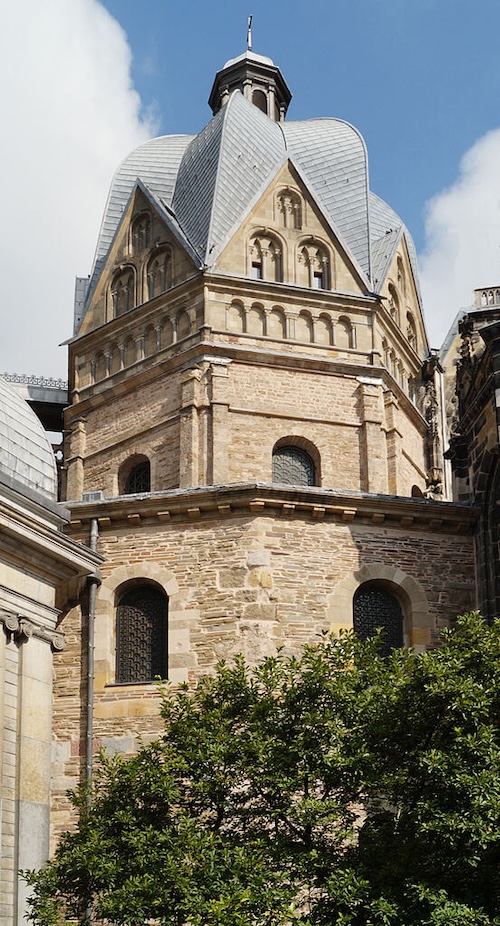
(225, 110)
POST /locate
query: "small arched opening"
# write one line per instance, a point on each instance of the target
(376, 607)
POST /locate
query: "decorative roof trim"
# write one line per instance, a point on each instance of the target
(250, 499)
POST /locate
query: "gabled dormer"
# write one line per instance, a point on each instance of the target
(147, 259)
(286, 238)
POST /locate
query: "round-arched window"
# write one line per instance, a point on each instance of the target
(374, 608)
(138, 479)
(141, 635)
(293, 466)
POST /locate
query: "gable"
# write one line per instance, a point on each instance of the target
(286, 223)
(401, 299)
(145, 260)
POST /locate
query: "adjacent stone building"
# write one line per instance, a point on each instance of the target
(474, 357)
(40, 571)
(255, 431)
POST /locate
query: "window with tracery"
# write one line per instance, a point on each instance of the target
(265, 259)
(393, 303)
(160, 273)
(374, 608)
(123, 291)
(293, 466)
(314, 266)
(289, 205)
(141, 233)
(135, 478)
(141, 635)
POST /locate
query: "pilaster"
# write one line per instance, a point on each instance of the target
(74, 469)
(373, 440)
(189, 448)
(219, 404)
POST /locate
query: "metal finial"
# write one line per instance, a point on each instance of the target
(249, 34)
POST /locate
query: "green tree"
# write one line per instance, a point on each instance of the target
(336, 788)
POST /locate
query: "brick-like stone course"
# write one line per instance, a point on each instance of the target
(246, 584)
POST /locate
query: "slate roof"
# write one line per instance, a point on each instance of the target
(332, 156)
(25, 451)
(209, 182)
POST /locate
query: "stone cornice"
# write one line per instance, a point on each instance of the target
(262, 290)
(57, 556)
(198, 349)
(227, 501)
(175, 297)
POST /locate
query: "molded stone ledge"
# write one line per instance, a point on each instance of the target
(229, 501)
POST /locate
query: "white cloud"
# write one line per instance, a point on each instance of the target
(462, 250)
(69, 115)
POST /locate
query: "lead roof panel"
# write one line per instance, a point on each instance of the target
(209, 181)
(25, 451)
(332, 155)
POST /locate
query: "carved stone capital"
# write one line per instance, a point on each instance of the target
(23, 629)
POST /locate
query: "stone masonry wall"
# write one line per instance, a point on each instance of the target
(219, 422)
(241, 584)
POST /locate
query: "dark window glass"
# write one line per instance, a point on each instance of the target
(293, 466)
(375, 607)
(141, 635)
(138, 479)
(256, 270)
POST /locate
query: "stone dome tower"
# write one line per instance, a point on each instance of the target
(254, 421)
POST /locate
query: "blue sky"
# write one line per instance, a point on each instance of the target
(420, 80)
(88, 80)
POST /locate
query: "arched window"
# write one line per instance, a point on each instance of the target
(123, 291)
(374, 608)
(265, 258)
(256, 269)
(292, 466)
(256, 319)
(259, 100)
(393, 304)
(401, 276)
(289, 206)
(304, 330)
(140, 233)
(183, 324)
(411, 331)
(235, 316)
(345, 333)
(160, 273)
(135, 476)
(141, 635)
(313, 265)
